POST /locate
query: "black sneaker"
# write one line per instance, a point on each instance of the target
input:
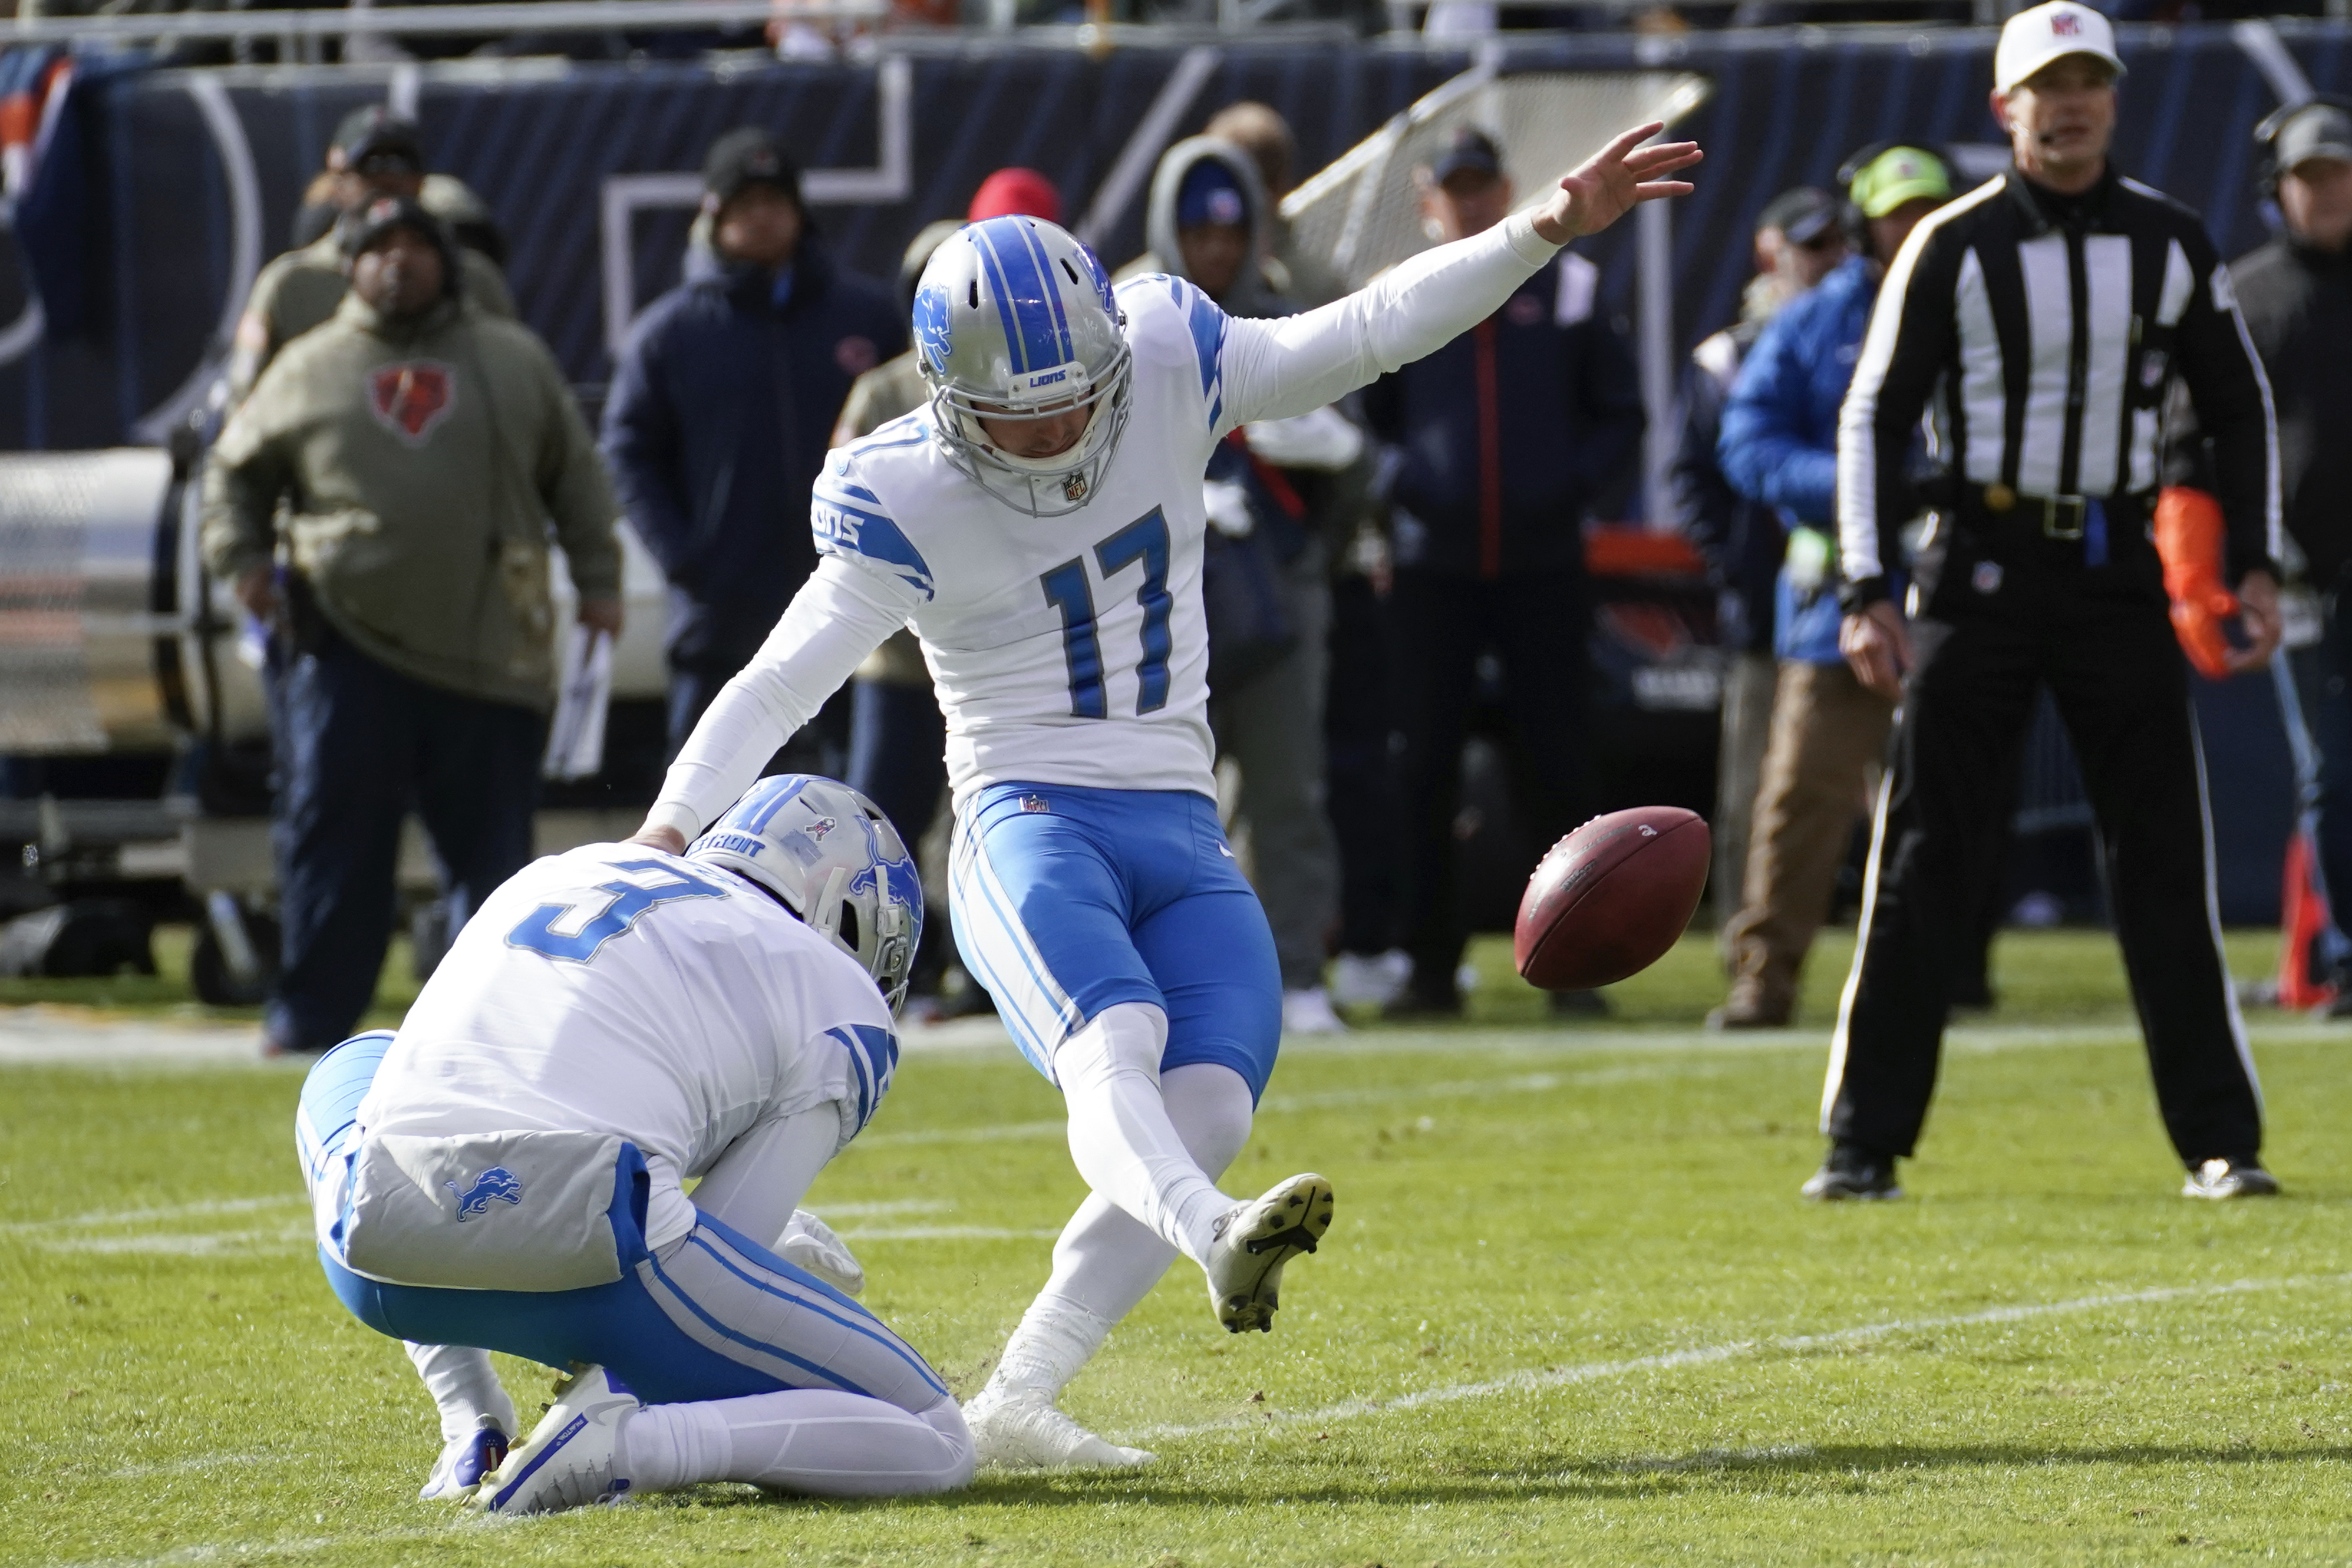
(1578, 1005)
(1417, 1004)
(2219, 1178)
(1853, 1172)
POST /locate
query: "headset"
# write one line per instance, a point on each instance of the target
(2266, 133)
(1850, 214)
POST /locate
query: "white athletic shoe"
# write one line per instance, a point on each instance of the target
(809, 1243)
(1370, 981)
(465, 1462)
(1018, 1427)
(571, 1457)
(1308, 1011)
(1255, 1239)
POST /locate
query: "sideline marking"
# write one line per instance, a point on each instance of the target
(1283, 1105)
(1706, 1355)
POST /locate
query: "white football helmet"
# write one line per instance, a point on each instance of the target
(835, 861)
(1014, 318)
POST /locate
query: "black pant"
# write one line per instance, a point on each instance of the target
(1537, 623)
(1360, 721)
(2122, 688)
(357, 746)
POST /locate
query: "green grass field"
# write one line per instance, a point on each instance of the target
(1572, 1311)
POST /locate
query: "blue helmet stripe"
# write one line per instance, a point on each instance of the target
(986, 246)
(1028, 295)
(1045, 264)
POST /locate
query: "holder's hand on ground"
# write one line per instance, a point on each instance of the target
(1612, 182)
(660, 837)
(2258, 612)
(1877, 648)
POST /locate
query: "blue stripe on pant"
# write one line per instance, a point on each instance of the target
(1068, 901)
(715, 1316)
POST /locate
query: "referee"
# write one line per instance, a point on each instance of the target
(2039, 320)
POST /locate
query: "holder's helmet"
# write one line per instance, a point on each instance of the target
(835, 861)
(1014, 318)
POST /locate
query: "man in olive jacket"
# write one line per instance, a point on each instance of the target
(420, 448)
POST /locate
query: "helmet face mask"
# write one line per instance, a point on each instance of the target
(833, 859)
(1014, 320)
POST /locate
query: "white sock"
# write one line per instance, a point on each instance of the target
(462, 1387)
(816, 1440)
(1105, 1263)
(1121, 1137)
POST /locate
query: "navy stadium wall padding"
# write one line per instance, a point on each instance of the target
(538, 142)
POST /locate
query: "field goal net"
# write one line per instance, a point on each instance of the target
(1361, 214)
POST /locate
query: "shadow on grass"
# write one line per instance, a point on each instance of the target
(1340, 1479)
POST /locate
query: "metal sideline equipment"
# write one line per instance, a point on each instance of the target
(115, 642)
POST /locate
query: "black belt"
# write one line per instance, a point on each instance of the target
(2071, 519)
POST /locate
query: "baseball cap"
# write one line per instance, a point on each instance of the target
(2314, 130)
(1015, 192)
(1803, 213)
(2032, 39)
(1897, 176)
(1467, 148)
(749, 156)
(1209, 194)
(376, 135)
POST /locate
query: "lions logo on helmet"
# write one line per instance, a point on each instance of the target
(1016, 319)
(933, 335)
(859, 890)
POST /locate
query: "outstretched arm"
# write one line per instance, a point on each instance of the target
(1289, 365)
(841, 614)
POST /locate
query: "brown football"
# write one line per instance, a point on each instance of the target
(1610, 898)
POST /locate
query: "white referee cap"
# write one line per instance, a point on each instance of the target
(2032, 39)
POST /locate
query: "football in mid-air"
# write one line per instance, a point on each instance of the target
(1610, 898)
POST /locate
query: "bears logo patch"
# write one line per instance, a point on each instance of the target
(412, 398)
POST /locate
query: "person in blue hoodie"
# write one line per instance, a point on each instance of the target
(1779, 448)
(722, 408)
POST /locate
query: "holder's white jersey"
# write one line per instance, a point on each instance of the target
(1072, 650)
(619, 989)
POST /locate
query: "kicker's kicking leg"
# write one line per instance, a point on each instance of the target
(1105, 1263)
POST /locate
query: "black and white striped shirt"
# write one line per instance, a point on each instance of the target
(2039, 333)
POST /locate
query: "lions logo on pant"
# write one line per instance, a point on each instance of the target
(497, 1182)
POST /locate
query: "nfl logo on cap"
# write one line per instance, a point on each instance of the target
(2033, 39)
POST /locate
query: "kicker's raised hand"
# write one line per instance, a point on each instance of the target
(1614, 181)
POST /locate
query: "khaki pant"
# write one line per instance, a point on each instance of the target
(1829, 736)
(1747, 682)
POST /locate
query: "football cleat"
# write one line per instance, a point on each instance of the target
(2230, 1178)
(1854, 1174)
(572, 1457)
(809, 1243)
(1254, 1240)
(1017, 1427)
(464, 1460)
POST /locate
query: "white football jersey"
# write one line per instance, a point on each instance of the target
(1072, 650)
(619, 989)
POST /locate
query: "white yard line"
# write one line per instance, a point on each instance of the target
(947, 1233)
(199, 1244)
(1706, 1355)
(101, 1218)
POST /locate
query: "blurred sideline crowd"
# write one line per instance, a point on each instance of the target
(383, 494)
